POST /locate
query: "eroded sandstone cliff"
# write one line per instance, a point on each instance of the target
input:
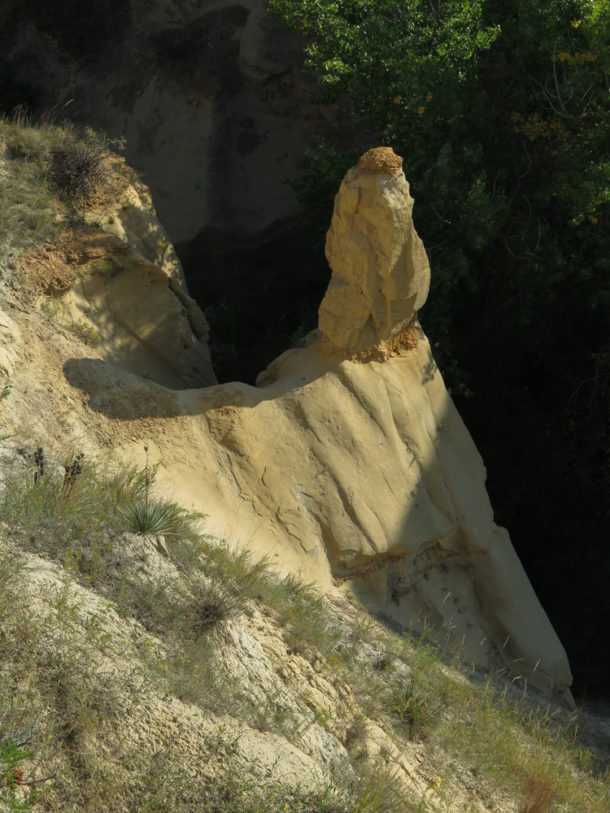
(348, 463)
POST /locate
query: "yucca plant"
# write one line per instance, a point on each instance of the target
(144, 515)
(214, 602)
(156, 517)
(413, 707)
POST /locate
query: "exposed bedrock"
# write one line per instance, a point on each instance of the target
(380, 269)
(349, 461)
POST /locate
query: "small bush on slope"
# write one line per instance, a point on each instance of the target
(48, 174)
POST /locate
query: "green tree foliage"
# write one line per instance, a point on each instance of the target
(501, 111)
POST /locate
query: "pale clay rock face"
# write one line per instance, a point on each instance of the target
(130, 292)
(380, 269)
(353, 475)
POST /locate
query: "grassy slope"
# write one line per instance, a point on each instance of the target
(56, 707)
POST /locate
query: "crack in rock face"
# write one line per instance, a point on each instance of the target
(381, 273)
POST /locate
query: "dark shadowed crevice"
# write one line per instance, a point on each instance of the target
(80, 36)
(260, 294)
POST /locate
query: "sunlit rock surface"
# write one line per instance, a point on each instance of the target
(348, 464)
(380, 269)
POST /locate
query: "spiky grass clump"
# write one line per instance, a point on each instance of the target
(156, 517)
(213, 602)
(414, 709)
(63, 502)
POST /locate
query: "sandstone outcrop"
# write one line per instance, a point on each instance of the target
(131, 287)
(116, 282)
(353, 469)
(380, 269)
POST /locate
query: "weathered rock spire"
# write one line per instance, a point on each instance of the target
(380, 269)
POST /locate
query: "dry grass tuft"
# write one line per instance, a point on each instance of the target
(49, 175)
(538, 796)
